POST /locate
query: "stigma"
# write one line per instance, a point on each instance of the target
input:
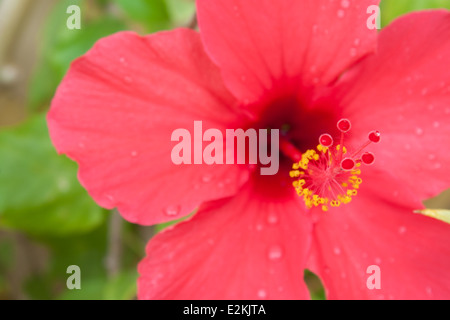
(329, 176)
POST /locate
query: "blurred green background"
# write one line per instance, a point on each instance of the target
(47, 220)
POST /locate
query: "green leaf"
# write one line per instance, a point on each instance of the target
(39, 190)
(439, 214)
(181, 11)
(391, 9)
(153, 14)
(91, 289)
(122, 286)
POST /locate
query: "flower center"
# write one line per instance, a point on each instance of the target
(330, 176)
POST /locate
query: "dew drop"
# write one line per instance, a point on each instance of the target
(429, 291)
(337, 251)
(172, 211)
(436, 124)
(272, 218)
(134, 154)
(243, 78)
(341, 13)
(402, 230)
(259, 227)
(377, 261)
(419, 131)
(207, 178)
(357, 42)
(275, 253)
(128, 79)
(345, 3)
(262, 294)
(437, 166)
(432, 157)
(353, 52)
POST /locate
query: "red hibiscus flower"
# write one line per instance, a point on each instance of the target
(300, 67)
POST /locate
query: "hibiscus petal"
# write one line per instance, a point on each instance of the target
(265, 44)
(404, 92)
(411, 250)
(246, 247)
(115, 112)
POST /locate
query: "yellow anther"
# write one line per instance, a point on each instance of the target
(294, 174)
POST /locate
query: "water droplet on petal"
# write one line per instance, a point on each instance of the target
(402, 230)
(419, 131)
(172, 211)
(262, 294)
(134, 153)
(341, 13)
(436, 124)
(353, 52)
(272, 218)
(345, 3)
(128, 79)
(337, 251)
(207, 178)
(275, 253)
